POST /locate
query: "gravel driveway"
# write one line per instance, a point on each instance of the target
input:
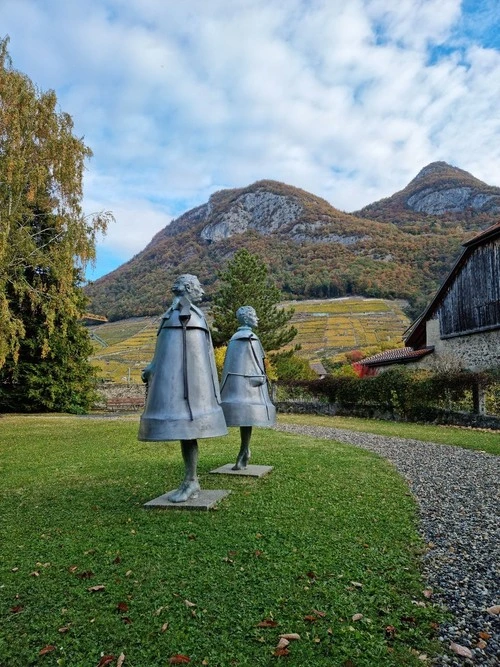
(458, 494)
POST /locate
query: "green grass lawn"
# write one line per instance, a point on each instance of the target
(470, 438)
(328, 535)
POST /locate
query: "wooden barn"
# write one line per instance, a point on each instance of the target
(460, 328)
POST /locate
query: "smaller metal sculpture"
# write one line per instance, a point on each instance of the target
(244, 386)
(183, 399)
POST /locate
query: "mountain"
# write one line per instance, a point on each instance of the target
(313, 250)
(439, 190)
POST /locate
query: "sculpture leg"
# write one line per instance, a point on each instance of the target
(244, 453)
(190, 486)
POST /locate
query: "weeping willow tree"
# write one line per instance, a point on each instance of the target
(45, 242)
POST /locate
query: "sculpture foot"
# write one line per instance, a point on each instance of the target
(241, 462)
(185, 491)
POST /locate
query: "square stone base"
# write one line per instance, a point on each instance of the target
(205, 500)
(249, 471)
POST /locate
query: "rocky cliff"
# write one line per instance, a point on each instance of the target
(438, 189)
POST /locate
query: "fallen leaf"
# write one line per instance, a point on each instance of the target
(73, 568)
(427, 593)
(96, 589)
(127, 620)
(357, 584)
(106, 660)
(267, 623)
(357, 617)
(258, 535)
(189, 604)
(64, 629)
(47, 649)
(481, 644)
(128, 573)
(348, 663)
(485, 635)
(311, 575)
(88, 574)
(159, 610)
(164, 627)
(330, 631)
(179, 659)
(15, 569)
(494, 610)
(290, 636)
(321, 614)
(226, 559)
(411, 620)
(316, 640)
(258, 553)
(204, 661)
(122, 607)
(89, 552)
(121, 660)
(390, 632)
(281, 651)
(461, 650)
(310, 618)
(117, 561)
(35, 574)
(282, 643)
(16, 610)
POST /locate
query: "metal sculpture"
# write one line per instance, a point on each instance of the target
(244, 387)
(183, 398)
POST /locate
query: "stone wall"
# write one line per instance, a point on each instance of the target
(475, 352)
(111, 390)
(369, 412)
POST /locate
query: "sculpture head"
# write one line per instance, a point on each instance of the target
(189, 286)
(247, 316)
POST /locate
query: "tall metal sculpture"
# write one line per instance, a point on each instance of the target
(183, 398)
(244, 387)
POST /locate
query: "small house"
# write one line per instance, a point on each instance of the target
(461, 325)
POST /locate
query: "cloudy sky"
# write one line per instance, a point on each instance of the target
(348, 99)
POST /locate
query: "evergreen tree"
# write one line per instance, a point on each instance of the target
(44, 242)
(245, 282)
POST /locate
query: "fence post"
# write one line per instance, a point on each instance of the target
(479, 399)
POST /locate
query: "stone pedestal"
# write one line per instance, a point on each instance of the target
(249, 471)
(205, 500)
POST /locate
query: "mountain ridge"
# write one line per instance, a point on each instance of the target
(313, 250)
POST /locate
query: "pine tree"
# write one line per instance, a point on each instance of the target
(245, 282)
(45, 240)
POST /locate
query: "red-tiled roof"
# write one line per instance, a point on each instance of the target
(400, 355)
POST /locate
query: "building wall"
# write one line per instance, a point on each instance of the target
(476, 352)
(472, 301)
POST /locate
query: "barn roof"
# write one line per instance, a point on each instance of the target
(399, 355)
(414, 336)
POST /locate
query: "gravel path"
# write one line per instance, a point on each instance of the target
(458, 494)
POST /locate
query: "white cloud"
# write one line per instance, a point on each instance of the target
(177, 99)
